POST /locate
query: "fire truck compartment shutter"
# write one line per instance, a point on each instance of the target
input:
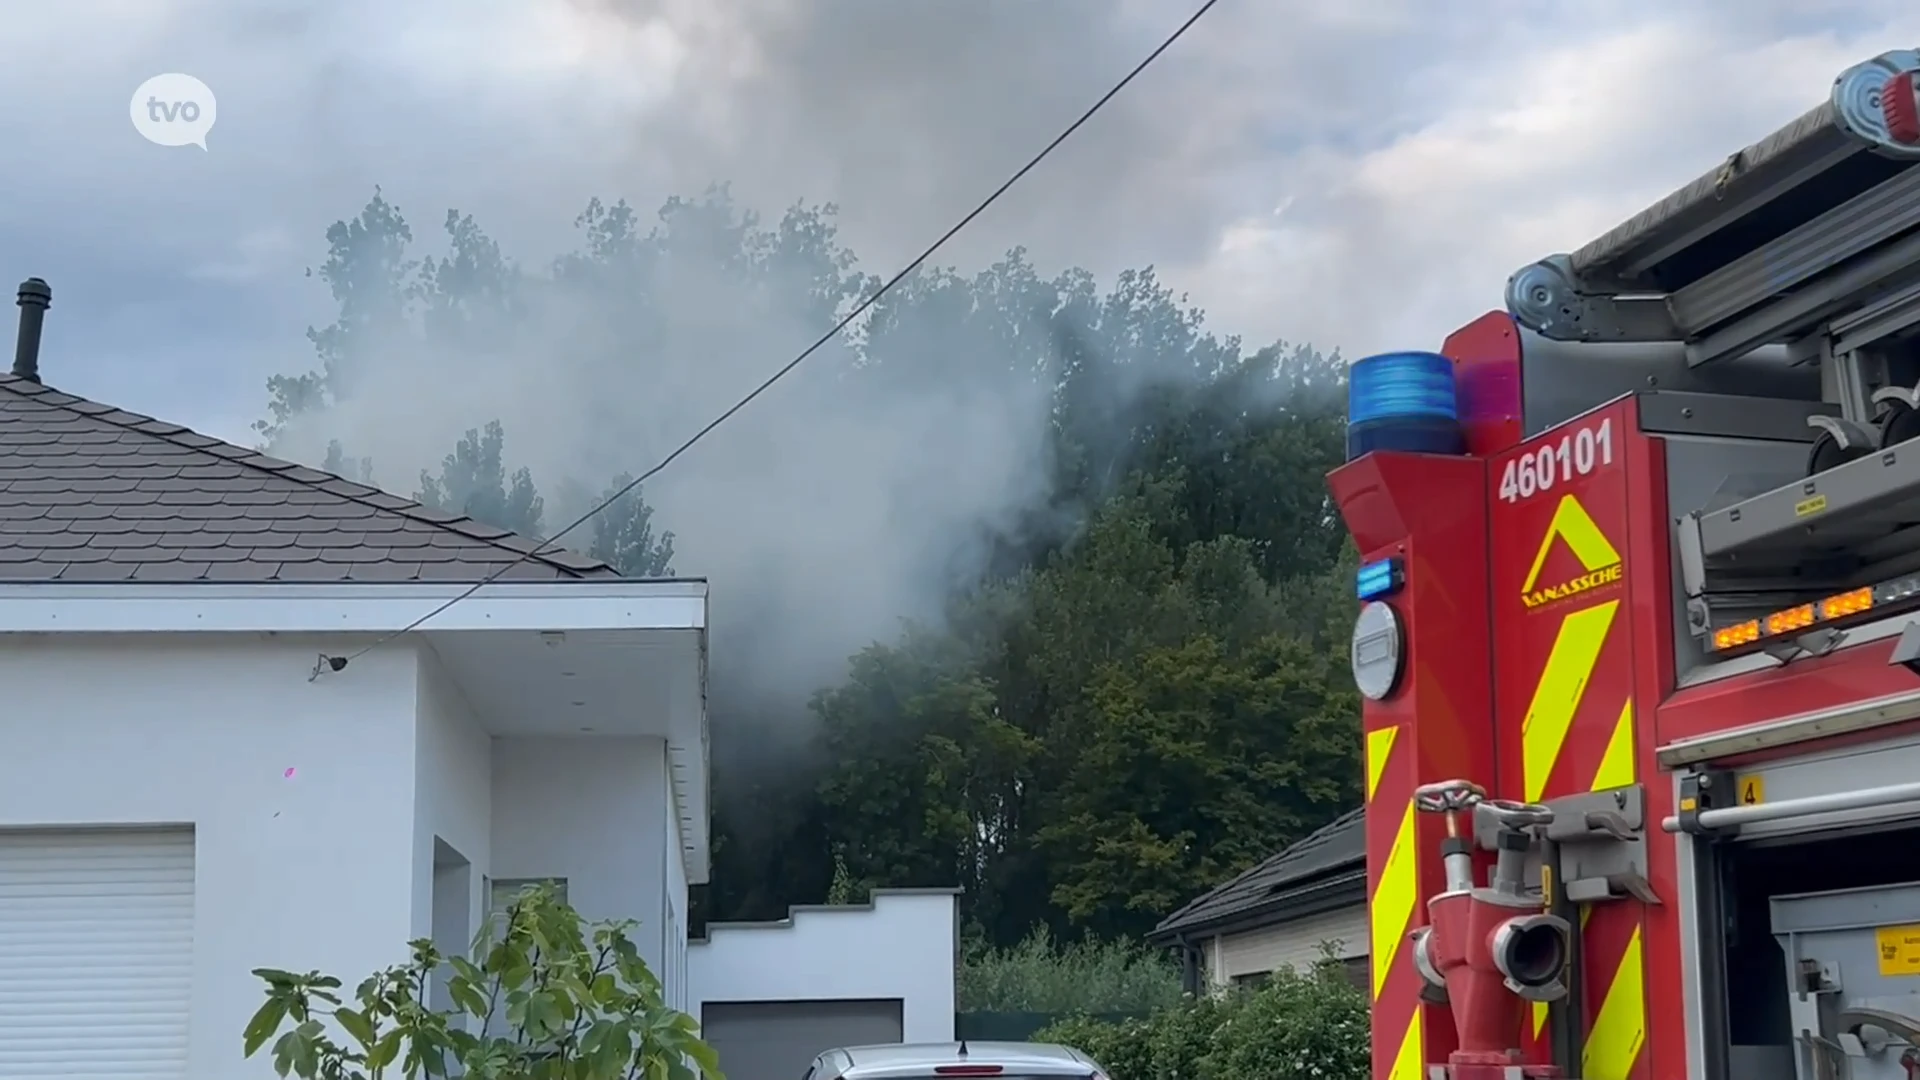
(1853, 958)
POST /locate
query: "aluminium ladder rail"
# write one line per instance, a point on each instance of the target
(1848, 122)
(1615, 288)
(1784, 287)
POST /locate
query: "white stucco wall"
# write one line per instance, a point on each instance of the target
(302, 872)
(587, 809)
(453, 797)
(331, 868)
(904, 945)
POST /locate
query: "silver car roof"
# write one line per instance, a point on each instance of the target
(908, 1059)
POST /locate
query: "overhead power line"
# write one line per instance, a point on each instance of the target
(335, 663)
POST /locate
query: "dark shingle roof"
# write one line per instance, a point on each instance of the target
(1339, 849)
(90, 493)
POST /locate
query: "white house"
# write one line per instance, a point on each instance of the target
(219, 751)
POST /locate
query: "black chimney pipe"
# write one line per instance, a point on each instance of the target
(35, 298)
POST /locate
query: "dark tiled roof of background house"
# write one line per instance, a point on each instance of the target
(1340, 846)
(90, 493)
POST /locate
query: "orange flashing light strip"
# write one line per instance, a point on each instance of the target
(1800, 617)
(1794, 618)
(1847, 603)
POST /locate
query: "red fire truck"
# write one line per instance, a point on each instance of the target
(1639, 637)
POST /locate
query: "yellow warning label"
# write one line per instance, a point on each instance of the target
(1753, 791)
(1899, 949)
(1809, 507)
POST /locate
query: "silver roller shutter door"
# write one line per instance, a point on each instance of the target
(96, 953)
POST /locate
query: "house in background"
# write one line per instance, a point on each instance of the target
(219, 751)
(1290, 911)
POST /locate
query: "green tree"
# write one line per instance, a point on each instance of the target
(473, 481)
(1145, 691)
(843, 891)
(470, 298)
(924, 770)
(551, 998)
(1096, 741)
(369, 272)
(623, 536)
(1197, 763)
(338, 463)
(1189, 731)
(1182, 620)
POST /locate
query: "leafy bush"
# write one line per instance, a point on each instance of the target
(1125, 1049)
(1041, 975)
(1297, 1027)
(552, 999)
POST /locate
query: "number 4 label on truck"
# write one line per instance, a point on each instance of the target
(1574, 454)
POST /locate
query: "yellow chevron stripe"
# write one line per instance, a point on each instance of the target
(1392, 908)
(1616, 765)
(1407, 1063)
(1572, 523)
(1556, 698)
(1621, 1024)
(1379, 746)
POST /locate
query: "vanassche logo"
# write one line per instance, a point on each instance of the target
(1572, 587)
(1599, 562)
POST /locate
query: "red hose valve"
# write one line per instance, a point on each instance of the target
(1491, 947)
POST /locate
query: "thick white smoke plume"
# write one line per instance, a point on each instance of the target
(833, 507)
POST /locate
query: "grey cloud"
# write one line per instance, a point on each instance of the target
(179, 275)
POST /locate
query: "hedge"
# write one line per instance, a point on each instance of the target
(1297, 1027)
(1044, 975)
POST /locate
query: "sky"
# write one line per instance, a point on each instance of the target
(1358, 176)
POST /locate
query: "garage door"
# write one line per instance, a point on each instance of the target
(96, 948)
(776, 1040)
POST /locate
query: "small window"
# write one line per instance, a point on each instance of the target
(502, 892)
(1355, 969)
(1253, 980)
(505, 890)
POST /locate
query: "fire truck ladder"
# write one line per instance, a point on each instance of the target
(1809, 239)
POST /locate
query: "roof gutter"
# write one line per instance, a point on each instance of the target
(350, 607)
(1341, 889)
